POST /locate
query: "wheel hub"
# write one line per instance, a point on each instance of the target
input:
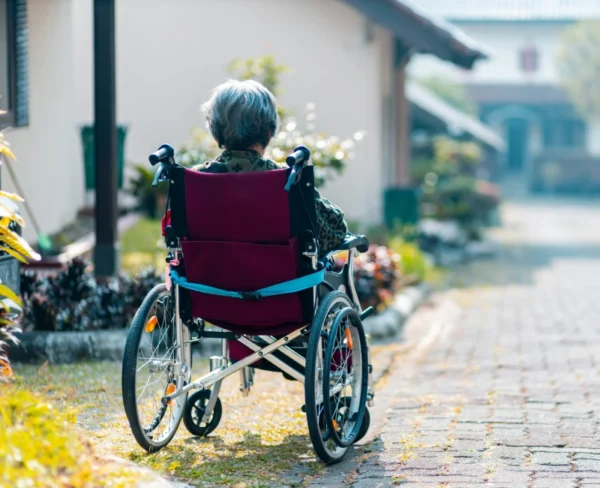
(158, 366)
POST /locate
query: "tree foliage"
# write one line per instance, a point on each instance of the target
(578, 63)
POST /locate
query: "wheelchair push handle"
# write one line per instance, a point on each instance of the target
(300, 156)
(163, 153)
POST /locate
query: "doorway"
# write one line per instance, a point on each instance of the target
(517, 138)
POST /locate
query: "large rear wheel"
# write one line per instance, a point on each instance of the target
(155, 362)
(317, 394)
(345, 377)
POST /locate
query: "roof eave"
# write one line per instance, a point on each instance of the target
(422, 32)
(450, 117)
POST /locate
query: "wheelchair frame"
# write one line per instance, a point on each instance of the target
(218, 364)
(263, 346)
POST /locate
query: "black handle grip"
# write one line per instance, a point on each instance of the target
(300, 155)
(164, 152)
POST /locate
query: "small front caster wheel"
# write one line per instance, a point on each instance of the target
(194, 413)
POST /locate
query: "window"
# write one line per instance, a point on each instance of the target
(14, 96)
(529, 59)
(564, 133)
(3, 56)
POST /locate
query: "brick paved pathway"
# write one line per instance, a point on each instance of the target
(509, 395)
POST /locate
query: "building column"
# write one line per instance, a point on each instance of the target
(106, 252)
(593, 137)
(402, 116)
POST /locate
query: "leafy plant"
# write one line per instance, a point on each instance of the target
(264, 70)
(412, 261)
(377, 276)
(450, 189)
(14, 245)
(578, 64)
(330, 153)
(40, 446)
(148, 197)
(74, 300)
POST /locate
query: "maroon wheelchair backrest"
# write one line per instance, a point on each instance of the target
(240, 232)
(240, 207)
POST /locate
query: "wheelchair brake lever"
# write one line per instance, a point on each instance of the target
(158, 174)
(295, 176)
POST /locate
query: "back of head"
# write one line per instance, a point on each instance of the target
(242, 114)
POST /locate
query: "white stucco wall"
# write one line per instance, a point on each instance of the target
(171, 54)
(49, 161)
(506, 39)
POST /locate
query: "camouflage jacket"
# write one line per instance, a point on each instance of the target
(331, 226)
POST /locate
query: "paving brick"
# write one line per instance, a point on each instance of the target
(508, 476)
(507, 397)
(554, 483)
(587, 465)
(551, 459)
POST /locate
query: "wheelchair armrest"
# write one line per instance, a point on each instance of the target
(360, 243)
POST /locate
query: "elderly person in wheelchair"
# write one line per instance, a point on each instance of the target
(242, 117)
(249, 251)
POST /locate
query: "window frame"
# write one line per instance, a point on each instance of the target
(14, 96)
(529, 59)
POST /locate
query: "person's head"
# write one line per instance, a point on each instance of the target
(242, 115)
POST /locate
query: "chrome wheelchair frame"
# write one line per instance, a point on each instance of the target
(336, 310)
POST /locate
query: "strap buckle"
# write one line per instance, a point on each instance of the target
(253, 296)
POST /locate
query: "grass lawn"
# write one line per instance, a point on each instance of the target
(262, 440)
(142, 246)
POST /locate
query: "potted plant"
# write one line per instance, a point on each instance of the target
(150, 199)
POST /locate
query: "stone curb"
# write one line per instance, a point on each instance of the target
(70, 347)
(389, 323)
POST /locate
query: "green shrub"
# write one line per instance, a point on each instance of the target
(450, 188)
(149, 198)
(40, 447)
(413, 263)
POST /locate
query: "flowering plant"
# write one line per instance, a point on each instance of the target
(377, 276)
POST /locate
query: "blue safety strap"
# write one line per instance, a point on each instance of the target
(291, 286)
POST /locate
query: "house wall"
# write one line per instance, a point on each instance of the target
(171, 54)
(506, 39)
(49, 165)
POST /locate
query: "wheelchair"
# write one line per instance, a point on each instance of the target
(244, 267)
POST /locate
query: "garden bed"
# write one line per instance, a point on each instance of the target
(69, 316)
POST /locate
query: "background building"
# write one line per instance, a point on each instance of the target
(517, 89)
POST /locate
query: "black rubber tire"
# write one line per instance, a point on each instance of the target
(313, 419)
(192, 427)
(351, 314)
(128, 374)
(364, 426)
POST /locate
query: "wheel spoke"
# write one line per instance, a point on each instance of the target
(155, 356)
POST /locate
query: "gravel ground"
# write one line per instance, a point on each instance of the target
(262, 439)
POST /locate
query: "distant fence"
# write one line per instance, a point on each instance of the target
(566, 172)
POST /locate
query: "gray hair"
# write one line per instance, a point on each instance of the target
(241, 114)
